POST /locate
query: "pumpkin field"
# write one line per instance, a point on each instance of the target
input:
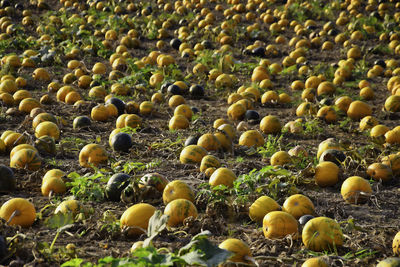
(199, 133)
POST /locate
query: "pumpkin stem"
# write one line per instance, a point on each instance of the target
(15, 213)
(251, 259)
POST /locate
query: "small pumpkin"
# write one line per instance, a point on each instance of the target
(178, 122)
(18, 211)
(209, 161)
(81, 122)
(92, 154)
(326, 174)
(209, 142)
(178, 210)
(270, 125)
(280, 158)
(251, 138)
(99, 113)
(322, 233)
(68, 206)
(136, 218)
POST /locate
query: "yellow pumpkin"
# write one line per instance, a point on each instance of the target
(298, 205)
(240, 251)
(43, 117)
(68, 206)
(178, 122)
(27, 104)
(278, 224)
(326, 174)
(99, 113)
(355, 189)
(131, 120)
(53, 185)
(251, 138)
(192, 154)
(177, 189)
(379, 171)
(396, 244)
(184, 110)
(209, 142)
(270, 125)
(261, 207)
(54, 173)
(322, 233)
(23, 212)
(136, 218)
(21, 146)
(358, 110)
(209, 161)
(178, 210)
(26, 159)
(47, 128)
(315, 262)
(236, 111)
(222, 176)
(92, 154)
(14, 139)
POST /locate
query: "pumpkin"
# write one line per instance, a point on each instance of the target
(21, 146)
(329, 143)
(99, 113)
(121, 142)
(224, 140)
(306, 108)
(46, 145)
(184, 110)
(222, 176)
(7, 179)
(261, 207)
(92, 154)
(315, 262)
(177, 189)
(54, 173)
(68, 206)
(178, 122)
(326, 174)
(27, 104)
(358, 110)
(42, 117)
(155, 180)
(209, 161)
(270, 125)
(327, 113)
(228, 129)
(53, 185)
(298, 205)
(26, 159)
(136, 218)
(115, 185)
(280, 158)
(192, 154)
(251, 138)
(146, 108)
(240, 250)
(278, 224)
(132, 120)
(209, 142)
(380, 171)
(322, 233)
(18, 211)
(47, 128)
(355, 189)
(396, 244)
(236, 111)
(81, 122)
(368, 122)
(389, 262)
(392, 103)
(178, 210)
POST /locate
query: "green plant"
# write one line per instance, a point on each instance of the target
(87, 187)
(272, 145)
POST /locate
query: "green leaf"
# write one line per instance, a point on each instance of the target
(59, 220)
(76, 263)
(157, 223)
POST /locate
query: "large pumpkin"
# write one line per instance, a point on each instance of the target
(23, 212)
(177, 189)
(322, 233)
(26, 159)
(178, 210)
(278, 224)
(92, 154)
(136, 218)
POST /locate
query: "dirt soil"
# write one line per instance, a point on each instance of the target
(369, 228)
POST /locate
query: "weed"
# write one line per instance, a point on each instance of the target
(272, 145)
(87, 187)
